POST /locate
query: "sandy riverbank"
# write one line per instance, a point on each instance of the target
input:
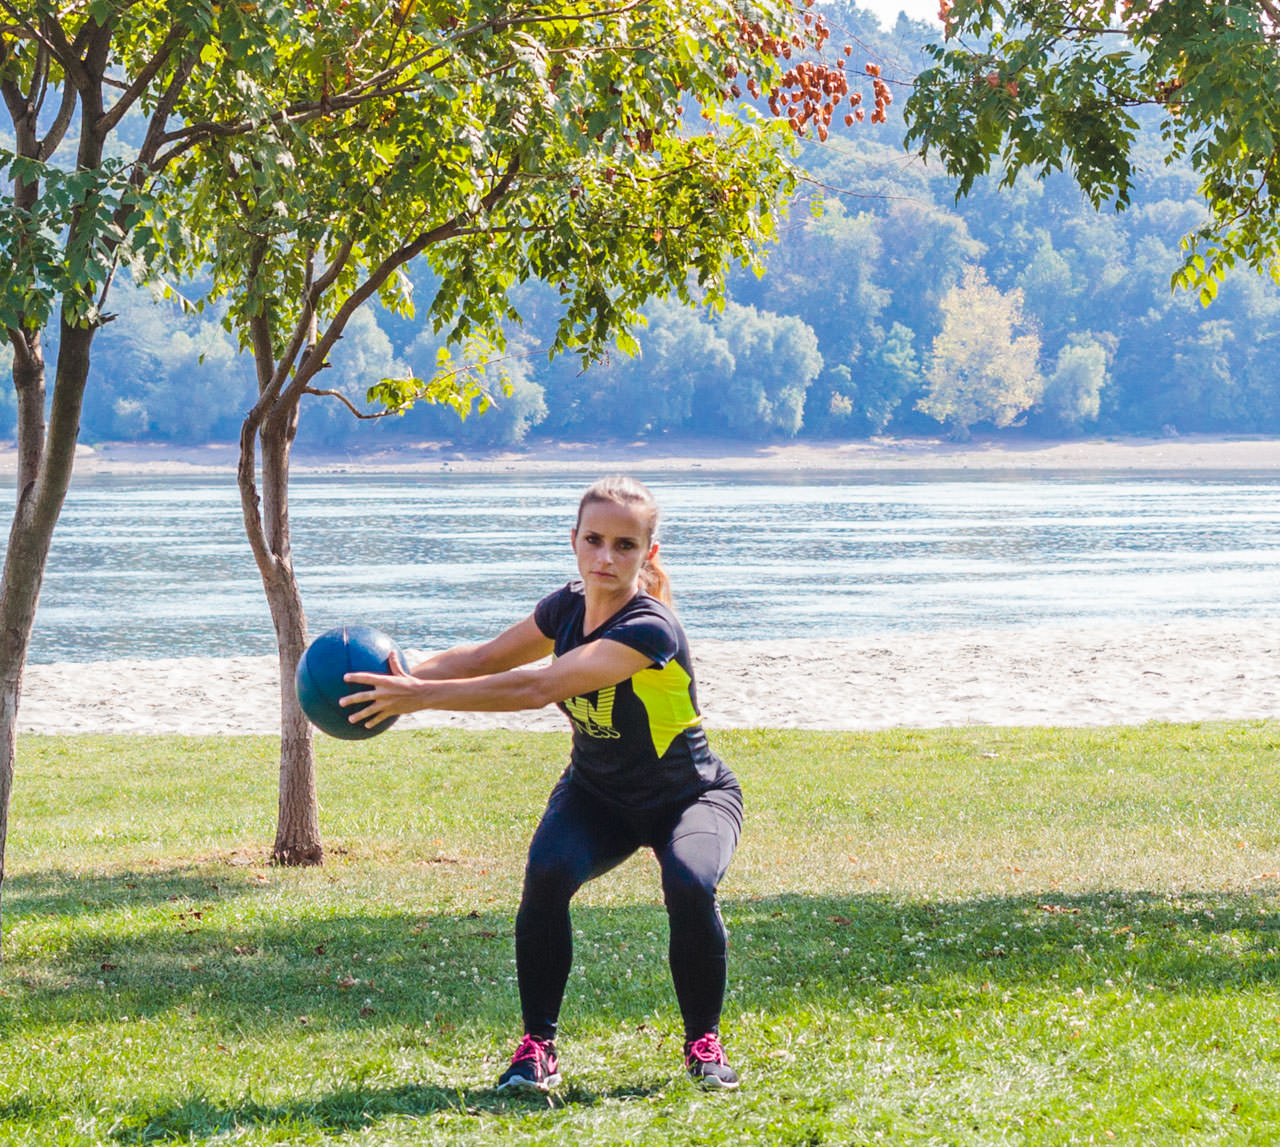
(1123, 675)
(677, 455)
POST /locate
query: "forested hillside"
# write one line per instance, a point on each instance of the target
(890, 309)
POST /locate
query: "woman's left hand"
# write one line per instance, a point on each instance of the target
(391, 694)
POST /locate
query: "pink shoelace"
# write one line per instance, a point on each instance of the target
(706, 1049)
(530, 1048)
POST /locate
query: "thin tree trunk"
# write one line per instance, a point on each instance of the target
(298, 819)
(43, 476)
(46, 451)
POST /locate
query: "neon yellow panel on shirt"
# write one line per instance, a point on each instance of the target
(664, 693)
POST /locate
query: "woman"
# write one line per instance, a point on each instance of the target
(640, 773)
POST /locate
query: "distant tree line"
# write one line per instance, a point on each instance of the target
(892, 310)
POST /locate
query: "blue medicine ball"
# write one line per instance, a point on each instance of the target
(319, 683)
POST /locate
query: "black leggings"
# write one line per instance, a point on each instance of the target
(579, 838)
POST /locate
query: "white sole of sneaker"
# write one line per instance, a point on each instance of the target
(710, 1083)
(528, 1085)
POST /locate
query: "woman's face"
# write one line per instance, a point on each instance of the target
(612, 544)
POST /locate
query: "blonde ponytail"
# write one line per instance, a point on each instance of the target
(654, 580)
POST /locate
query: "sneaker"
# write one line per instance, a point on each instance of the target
(533, 1067)
(707, 1065)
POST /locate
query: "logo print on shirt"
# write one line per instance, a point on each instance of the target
(594, 720)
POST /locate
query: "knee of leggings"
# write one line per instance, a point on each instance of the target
(686, 891)
(549, 882)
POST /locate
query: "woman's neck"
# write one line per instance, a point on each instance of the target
(602, 606)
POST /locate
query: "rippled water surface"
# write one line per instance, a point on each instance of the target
(156, 567)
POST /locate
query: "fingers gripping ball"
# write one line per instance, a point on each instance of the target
(319, 683)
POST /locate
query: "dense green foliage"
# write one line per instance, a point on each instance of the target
(1049, 85)
(836, 340)
(966, 936)
(550, 144)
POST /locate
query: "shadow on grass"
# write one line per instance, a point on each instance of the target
(370, 971)
(351, 1110)
(399, 982)
(1192, 942)
(66, 894)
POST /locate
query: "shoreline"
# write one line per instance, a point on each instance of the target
(1128, 674)
(664, 455)
(1122, 674)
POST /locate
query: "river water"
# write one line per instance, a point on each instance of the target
(158, 566)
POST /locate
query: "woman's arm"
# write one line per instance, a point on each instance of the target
(518, 645)
(593, 666)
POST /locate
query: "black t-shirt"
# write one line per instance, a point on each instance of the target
(640, 743)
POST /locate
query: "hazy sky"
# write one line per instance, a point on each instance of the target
(887, 10)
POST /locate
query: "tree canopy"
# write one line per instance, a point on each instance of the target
(1049, 85)
(984, 366)
(548, 143)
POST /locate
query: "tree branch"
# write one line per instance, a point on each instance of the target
(24, 348)
(67, 54)
(361, 414)
(14, 100)
(61, 122)
(39, 82)
(160, 116)
(296, 113)
(148, 73)
(303, 330)
(334, 269)
(29, 387)
(31, 31)
(559, 17)
(379, 275)
(260, 335)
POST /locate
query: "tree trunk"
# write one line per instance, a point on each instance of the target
(43, 478)
(298, 815)
(21, 582)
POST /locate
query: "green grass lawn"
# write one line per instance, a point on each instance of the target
(949, 937)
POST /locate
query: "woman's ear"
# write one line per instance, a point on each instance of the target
(653, 552)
